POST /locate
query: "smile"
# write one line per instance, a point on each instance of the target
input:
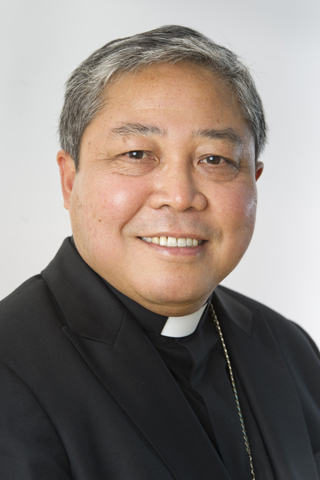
(172, 241)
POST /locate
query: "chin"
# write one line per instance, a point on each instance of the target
(176, 297)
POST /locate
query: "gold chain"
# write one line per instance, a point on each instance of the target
(243, 428)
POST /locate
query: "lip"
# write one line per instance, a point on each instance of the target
(193, 251)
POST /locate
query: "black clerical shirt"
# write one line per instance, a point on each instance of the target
(198, 364)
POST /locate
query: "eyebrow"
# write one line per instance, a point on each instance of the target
(227, 134)
(128, 129)
(131, 129)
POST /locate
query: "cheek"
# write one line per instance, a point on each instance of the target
(238, 210)
(247, 216)
(120, 204)
(114, 203)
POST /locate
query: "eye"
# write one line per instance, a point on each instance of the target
(136, 154)
(213, 160)
(219, 169)
(134, 162)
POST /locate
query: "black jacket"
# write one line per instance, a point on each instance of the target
(84, 395)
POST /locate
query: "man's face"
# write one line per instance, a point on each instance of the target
(170, 155)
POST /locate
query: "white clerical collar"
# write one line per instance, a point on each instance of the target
(182, 326)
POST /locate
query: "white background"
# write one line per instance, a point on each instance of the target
(43, 41)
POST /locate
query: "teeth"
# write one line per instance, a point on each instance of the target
(172, 241)
(182, 242)
(163, 241)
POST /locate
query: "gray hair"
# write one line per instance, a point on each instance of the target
(169, 44)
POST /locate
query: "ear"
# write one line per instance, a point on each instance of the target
(67, 175)
(259, 170)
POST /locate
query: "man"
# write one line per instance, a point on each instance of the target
(124, 359)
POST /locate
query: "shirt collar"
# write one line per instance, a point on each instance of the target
(178, 327)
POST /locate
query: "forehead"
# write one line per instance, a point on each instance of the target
(168, 84)
(177, 100)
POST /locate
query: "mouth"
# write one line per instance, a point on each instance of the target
(173, 241)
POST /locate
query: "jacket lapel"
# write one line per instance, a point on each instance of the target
(126, 363)
(268, 386)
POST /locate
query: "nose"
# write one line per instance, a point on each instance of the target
(176, 187)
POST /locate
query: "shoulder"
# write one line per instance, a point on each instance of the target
(29, 317)
(25, 292)
(289, 335)
(30, 301)
(251, 304)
